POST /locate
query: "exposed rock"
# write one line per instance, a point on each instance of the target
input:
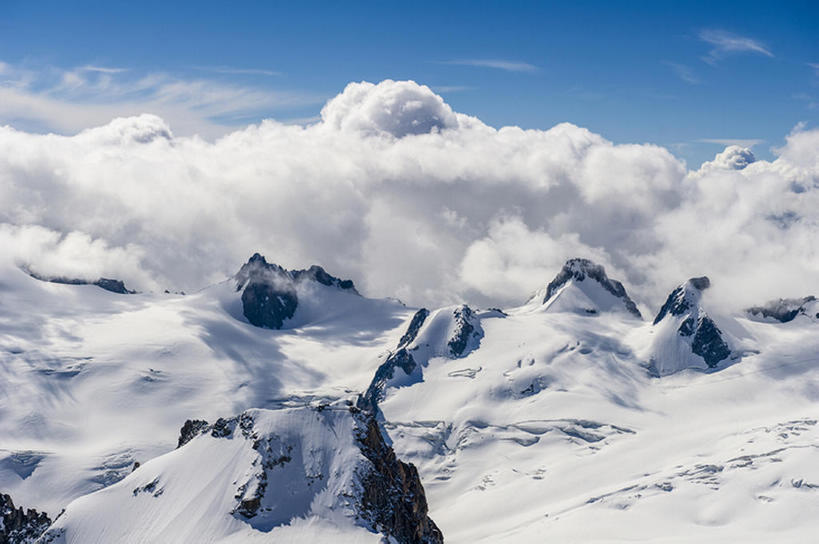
(467, 328)
(318, 274)
(393, 498)
(579, 270)
(115, 286)
(414, 326)
(385, 495)
(784, 309)
(18, 526)
(190, 429)
(679, 301)
(269, 296)
(402, 359)
(695, 325)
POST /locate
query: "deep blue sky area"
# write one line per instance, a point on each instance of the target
(671, 73)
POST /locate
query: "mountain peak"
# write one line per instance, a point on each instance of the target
(786, 309)
(577, 271)
(682, 321)
(269, 292)
(684, 297)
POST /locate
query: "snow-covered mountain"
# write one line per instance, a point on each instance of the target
(283, 406)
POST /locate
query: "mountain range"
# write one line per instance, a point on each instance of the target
(283, 406)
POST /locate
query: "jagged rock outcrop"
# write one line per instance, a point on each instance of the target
(393, 498)
(267, 469)
(451, 332)
(683, 324)
(269, 292)
(595, 291)
(786, 309)
(115, 286)
(466, 331)
(190, 430)
(18, 526)
(400, 358)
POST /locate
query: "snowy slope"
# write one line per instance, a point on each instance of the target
(554, 429)
(92, 381)
(569, 418)
(288, 475)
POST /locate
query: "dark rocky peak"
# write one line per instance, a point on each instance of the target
(683, 297)
(413, 328)
(693, 323)
(786, 309)
(257, 269)
(115, 286)
(450, 333)
(393, 499)
(400, 358)
(579, 270)
(269, 296)
(467, 329)
(18, 526)
(318, 274)
(390, 497)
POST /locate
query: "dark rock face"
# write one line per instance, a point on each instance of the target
(678, 302)
(318, 274)
(579, 270)
(400, 358)
(784, 309)
(414, 326)
(18, 526)
(706, 337)
(386, 371)
(708, 342)
(267, 305)
(190, 430)
(115, 286)
(464, 331)
(269, 295)
(393, 498)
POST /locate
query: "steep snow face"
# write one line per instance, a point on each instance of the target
(785, 310)
(583, 287)
(294, 474)
(92, 381)
(451, 332)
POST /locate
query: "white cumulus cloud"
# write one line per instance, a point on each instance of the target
(392, 188)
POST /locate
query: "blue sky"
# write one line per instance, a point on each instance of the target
(686, 75)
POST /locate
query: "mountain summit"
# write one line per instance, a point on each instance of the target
(270, 294)
(582, 286)
(685, 333)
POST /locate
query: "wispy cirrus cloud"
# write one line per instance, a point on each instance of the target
(67, 100)
(725, 43)
(744, 142)
(683, 72)
(102, 69)
(498, 64)
(230, 70)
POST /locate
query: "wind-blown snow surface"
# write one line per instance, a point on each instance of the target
(548, 425)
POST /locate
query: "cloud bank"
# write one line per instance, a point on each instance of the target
(395, 190)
